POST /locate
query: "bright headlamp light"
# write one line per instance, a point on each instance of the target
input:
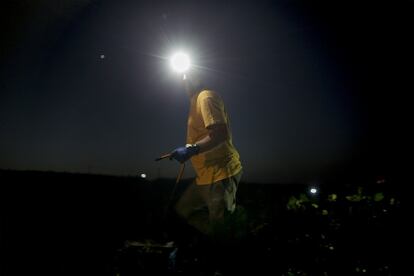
(180, 62)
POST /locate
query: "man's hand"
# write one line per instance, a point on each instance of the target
(182, 154)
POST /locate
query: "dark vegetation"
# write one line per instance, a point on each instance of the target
(61, 223)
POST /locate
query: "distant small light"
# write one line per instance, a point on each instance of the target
(102, 56)
(143, 175)
(313, 190)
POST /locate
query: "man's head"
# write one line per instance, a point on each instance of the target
(193, 83)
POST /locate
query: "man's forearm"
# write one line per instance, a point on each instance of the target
(217, 134)
(208, 143)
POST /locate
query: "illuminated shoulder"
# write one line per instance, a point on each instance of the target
(208, 94)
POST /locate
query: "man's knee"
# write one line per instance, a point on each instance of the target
(217, 211)
(182, 211)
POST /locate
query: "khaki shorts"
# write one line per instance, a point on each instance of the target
(204, 205)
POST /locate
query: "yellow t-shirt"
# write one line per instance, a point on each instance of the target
(223, 161)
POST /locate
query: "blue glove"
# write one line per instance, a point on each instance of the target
(182, 154)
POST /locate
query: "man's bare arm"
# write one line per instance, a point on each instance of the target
(217, 135)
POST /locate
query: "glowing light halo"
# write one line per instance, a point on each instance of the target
(180, 62)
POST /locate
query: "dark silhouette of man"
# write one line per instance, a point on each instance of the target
(211, 197)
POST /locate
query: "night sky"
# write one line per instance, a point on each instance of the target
(314, 90)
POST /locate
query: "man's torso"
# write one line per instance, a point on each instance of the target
(221, 162)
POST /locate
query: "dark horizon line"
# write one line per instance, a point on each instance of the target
(337, 179)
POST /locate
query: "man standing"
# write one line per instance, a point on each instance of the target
(214, 158)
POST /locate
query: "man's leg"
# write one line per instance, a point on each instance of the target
(192, 208)
(221, 201)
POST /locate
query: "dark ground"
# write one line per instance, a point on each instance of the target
(60, 223)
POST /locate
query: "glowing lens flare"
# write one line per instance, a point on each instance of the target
(180, 62)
